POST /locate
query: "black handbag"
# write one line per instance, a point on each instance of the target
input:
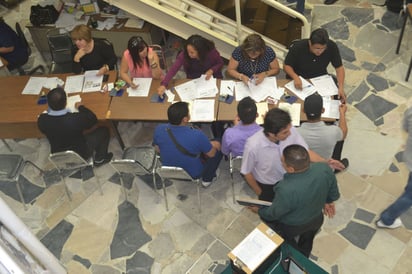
(43, 15)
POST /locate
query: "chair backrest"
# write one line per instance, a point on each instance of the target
(10, 166)
(68, 160)
(145, 156)
(107, 42)
(22, 38)
(172, 172)
(60, 45)
(161, 54)
(126, 166)
(234, 162)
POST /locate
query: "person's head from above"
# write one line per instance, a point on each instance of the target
(276, 125)
(57, 99)
(81, 36)
(247, 110)
(178, 113)
(313, 106)
(295, 158)
(318, 41)
(138, 49)
(197, 47)
(253, 47)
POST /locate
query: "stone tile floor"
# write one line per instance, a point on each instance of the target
(106, 234)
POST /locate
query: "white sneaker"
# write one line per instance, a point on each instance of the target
(397, 223)
(207, 184)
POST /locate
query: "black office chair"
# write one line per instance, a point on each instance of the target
(104, 40)
(61, 50)
(23, 39)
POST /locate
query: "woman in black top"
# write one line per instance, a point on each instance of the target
(92, 54)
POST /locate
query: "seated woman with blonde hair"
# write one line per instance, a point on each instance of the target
(139, 61)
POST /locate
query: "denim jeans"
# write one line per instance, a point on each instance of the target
(402, 204)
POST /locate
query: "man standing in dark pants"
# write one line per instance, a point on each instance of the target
(65, 130)
(306, 190)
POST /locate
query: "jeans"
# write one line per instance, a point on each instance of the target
(211, 166)
(402, 204)
(98, 142)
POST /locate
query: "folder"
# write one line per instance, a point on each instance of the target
(255, 248)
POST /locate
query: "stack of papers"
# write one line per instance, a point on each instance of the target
(267, 88)
(331, 108)
(143, 87)
(325, 85)
(197, 88)
(202, 110)
(294, 112)
(307, 88)
(88, 82)
(34, 85)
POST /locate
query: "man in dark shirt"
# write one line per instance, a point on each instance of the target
(306, 190)
(11, 47)
(310, 58)
(65, 130)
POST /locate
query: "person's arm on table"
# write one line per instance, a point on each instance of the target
(170, 74)
(291, 72)
(124, 73)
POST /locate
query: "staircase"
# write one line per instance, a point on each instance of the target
(220, 20)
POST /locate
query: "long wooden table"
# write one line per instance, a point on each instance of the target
(18, 112)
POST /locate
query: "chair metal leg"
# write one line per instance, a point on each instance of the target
(233, 187)
(98, 184)
(401, 34)
(409, 71)
(7, 145)
(65, 186)
(198, 195)
(164, 194)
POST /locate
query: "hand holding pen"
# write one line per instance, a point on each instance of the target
(298, 83)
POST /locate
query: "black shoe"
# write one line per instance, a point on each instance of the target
(106, 159)
(345, 163)
(330, 2)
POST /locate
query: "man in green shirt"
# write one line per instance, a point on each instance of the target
(305, 191)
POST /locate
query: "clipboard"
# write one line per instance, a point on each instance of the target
(248, 255)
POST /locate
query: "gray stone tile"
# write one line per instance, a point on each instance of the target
(358, 16)
(358, 234)
(370, 36)
(407, 219)
(377, 82)
(337, 29)
(30, 191)
(104, 269)
(129, 235)
(374, 107)
(140, 263)
(358, 93)
(218, 251)
(378, 122)
(379, 67)
(399, 156)
(393, 168)
(390, 20)
(345, 52)
(335, 269)
(57, 237)
(83, 261)
(364, 215)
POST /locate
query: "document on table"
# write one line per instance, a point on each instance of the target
(143, 87)
(262, 108)
(74, 83)
(92, 82)
(227, 87)
(325, 85)
(294, 111)
(205, 88)
(254, 249)
(331, 108)
(71, 102)
(307, 88)
(257, 92)
(186, 91)
(34, 85)
(203, 110)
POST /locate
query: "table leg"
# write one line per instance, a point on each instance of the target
(406, 15)
(409, 70)
(117, 133)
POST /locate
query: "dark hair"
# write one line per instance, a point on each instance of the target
(253, 43)
(57, 99)
(319, 36)
(135, 45)
(297, 157)
(246, 109)
(275, 120)
(202, 45)
(176, 112)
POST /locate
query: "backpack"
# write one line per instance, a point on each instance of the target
(43, 15)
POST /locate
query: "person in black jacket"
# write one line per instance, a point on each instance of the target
(64, 129)
(91, 54)
(11, 47)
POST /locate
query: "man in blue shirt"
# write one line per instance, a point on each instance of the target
(182, 146)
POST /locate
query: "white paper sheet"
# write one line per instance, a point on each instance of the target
(34, 85)
(264, 89)
(227, 87)
(143, 87)
(241, 91)
(71, 102)
(170, 96)
(203, 110)
(254, 249)
(262, 108)
(325, 85)
(331, 108)
(205, 88)
(307, 88)
(294, 111)
(74, 83)
(186, 91)
(92, 82)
